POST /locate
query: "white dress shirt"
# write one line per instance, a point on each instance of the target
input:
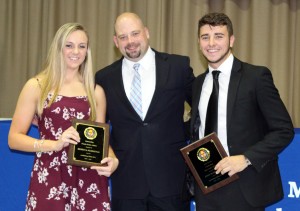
(224, 78)
(147, 71)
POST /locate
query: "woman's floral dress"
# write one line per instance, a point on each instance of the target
(54, 184)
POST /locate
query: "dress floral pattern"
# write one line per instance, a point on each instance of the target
(54, 184)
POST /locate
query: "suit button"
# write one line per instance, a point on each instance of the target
(145, 124)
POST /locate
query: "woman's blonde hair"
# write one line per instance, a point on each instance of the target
(52, 74)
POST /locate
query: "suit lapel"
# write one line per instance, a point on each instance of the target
(162, 74)
(235, 77)
(195, 121)
(197, 90)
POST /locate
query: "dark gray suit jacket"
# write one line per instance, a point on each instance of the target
(149, 150)
(258, 126)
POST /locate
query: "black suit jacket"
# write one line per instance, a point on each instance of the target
(149, 150)
(258, 126)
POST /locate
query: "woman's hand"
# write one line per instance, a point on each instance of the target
(110, 165)
(68, 136)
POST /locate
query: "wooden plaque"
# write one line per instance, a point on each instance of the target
(201, 157)
(93, 145)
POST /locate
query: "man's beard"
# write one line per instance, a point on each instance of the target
(133, 54)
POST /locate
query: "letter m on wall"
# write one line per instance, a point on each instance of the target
(294, 190)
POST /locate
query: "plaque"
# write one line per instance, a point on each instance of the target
(93, 145)
(201, 157)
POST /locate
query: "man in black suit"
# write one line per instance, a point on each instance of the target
(147, 142)
(253, 123)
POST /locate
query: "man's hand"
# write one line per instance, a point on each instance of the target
(231, 165)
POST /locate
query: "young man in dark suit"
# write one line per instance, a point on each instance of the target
(253, 123)
(147, 134)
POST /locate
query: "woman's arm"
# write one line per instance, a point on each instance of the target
(111, 161)
(25, 111)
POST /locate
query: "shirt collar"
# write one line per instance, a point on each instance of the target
(225, 67)
(146, 61)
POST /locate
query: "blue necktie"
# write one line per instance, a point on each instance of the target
(211, 124)
(136, 91)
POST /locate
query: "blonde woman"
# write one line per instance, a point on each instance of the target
(64, 90)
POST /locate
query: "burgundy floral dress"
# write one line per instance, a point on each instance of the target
(54, 185)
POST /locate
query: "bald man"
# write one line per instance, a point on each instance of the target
(147, 140)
